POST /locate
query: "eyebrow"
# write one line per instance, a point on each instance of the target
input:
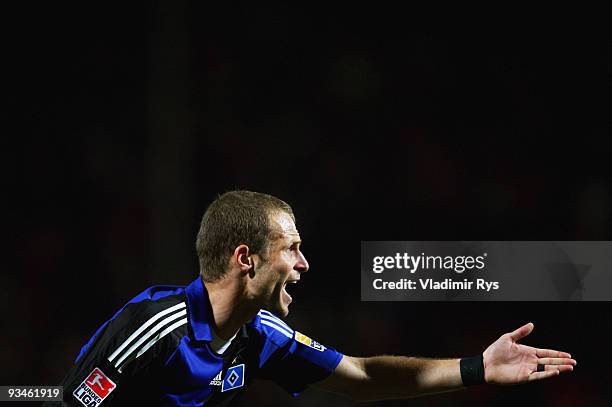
(293, 238)
(293, 241)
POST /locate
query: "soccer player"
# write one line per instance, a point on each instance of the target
(204, 343)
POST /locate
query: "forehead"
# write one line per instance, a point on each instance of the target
(281, 223)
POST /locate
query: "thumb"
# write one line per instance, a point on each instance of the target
(521, 332)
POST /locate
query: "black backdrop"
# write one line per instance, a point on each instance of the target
(125, 122)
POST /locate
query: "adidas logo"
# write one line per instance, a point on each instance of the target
(217, 381)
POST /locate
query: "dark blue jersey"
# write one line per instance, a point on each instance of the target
(156, 350)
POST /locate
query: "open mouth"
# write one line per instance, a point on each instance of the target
(286, 295)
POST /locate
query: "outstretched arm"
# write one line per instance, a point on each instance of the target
(391, 377)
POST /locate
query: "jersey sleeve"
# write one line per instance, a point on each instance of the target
(124, 356)
(290, 358)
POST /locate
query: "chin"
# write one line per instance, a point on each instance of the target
(281, 310)
(278, 308)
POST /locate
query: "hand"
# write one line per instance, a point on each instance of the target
(507, 362)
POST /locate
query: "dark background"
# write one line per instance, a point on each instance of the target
(124, 123)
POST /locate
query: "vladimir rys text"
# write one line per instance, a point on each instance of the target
(411, 264)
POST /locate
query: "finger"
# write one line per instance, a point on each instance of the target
(556, 361)
(549, 353)
(543, 375)
(560, 368)
(521, 332)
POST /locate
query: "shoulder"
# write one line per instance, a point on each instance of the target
(289, 357)
(272, 327)
(136, 339)
(139, 309)
(142, 324)
(150, 308)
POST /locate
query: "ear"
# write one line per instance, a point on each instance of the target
(243, 258)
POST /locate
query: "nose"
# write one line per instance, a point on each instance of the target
(302, 263)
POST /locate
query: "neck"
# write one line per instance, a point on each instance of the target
(231, 307)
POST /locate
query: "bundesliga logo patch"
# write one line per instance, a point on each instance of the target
(94, 389)
(301, 338)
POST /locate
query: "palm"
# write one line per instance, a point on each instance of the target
(507, 362)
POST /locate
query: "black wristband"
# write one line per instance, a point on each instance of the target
(472, 370)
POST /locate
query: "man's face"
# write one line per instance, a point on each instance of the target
(283, 265)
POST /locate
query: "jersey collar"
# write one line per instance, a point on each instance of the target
(200, 310)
